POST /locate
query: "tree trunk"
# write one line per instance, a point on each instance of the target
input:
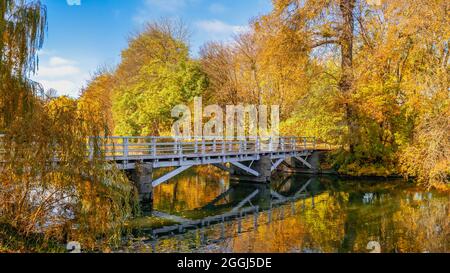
(346, 82)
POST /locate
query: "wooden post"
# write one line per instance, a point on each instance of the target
(154, 147)
(203, 146)
(125, 147)
(180, 148)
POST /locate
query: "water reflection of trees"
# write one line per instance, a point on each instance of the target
(344, 216)
(424, 225)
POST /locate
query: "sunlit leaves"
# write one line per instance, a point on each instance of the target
(50, 191)
(155, 75)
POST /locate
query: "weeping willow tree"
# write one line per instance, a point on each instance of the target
(42, 204)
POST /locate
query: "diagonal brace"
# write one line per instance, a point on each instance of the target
(306, 163)
(304, 187)
(245, 168)
(218, 198)
(276, 164)
(243, 202)
(277, 195)
(169, 175)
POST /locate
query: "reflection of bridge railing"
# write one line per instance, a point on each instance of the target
(123, 148)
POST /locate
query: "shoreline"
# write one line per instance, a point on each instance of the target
(335, 173)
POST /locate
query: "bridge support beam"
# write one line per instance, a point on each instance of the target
(256, 172)
(142, 177)
(169, 175)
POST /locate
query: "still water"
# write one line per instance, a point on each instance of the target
(296, 214)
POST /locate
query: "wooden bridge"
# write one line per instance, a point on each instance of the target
(251, 159)
(246, 159)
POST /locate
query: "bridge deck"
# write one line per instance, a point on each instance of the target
(167, 152)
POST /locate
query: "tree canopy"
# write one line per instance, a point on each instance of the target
(155, 75)
(371, 79)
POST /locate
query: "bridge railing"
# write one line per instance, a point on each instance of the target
(129, 147)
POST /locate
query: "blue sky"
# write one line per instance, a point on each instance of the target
(85, 34)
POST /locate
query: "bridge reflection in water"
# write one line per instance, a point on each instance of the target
(240, 201)
(238, 209)
(204, 212)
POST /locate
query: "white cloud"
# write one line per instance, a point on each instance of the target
(56, 61)
(220, 30)
(61, 74)
(58, 71)
(64, 87)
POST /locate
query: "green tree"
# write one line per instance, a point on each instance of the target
(156, 74)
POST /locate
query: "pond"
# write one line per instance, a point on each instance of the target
(202, 211)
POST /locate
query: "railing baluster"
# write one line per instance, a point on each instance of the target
(154, 147)
(203, 146)
(125, 147)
